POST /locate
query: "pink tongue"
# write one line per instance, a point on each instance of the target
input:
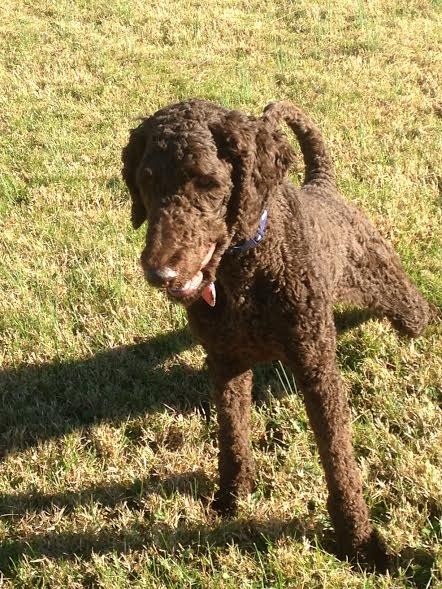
(209, 294)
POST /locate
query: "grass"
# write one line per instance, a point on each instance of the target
(107, 435)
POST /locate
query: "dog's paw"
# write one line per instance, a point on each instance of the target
(225, 503)
(373, 554)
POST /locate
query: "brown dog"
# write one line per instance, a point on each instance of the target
(259, 264)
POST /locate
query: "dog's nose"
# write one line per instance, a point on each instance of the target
(160, 276)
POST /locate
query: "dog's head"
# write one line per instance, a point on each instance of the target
(201, 176)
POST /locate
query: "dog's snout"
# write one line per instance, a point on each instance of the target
(160, 276)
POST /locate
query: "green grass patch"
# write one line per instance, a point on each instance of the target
(107, 434)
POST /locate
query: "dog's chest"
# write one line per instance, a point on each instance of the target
(245, 320)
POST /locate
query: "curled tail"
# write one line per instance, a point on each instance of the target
(318, 165)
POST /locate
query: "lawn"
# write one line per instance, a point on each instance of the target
(107, 434)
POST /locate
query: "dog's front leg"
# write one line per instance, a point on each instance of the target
(314, 365)
(233, 390)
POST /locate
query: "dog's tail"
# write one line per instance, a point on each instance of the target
(318, 165)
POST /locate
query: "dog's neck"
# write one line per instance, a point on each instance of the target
(209, 293)
(246, 244)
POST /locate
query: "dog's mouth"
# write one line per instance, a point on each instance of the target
(196, 285)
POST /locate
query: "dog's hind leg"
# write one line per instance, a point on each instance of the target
(388, 291)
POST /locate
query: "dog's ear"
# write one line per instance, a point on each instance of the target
(131, 157)
(260, 156)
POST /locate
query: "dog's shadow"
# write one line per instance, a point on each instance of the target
(43, 401)
(145, 529)
(250, 536)
(46, 401)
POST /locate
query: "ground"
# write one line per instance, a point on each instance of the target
(107, 436)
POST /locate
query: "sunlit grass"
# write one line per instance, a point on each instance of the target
(107, 434)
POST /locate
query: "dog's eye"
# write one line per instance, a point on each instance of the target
(205, 182)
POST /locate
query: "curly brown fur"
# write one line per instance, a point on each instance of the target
(202, 176)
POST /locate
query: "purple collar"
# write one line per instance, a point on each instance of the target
(247, 244)
(209, 292)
